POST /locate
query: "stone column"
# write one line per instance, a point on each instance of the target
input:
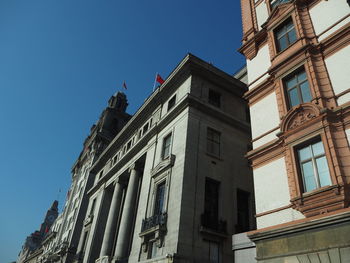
(111, 224)
(126, 222)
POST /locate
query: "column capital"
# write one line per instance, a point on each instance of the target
(121, 180)
(134, 166)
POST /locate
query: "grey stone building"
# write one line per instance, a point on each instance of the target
(173, 185)
(61, 245)
(31, 248)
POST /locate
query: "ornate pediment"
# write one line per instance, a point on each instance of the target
(163, 165)
(276, 14)
(298, 116)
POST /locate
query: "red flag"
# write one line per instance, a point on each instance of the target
(159, 79)
(124, 85)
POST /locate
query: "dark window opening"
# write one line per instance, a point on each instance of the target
(214, 98)
(210, 217)
(171, 102)
(159, 200)
(213, 142)
(243, 205)
(128, 146)
(145, 128)
(92, 207)
(166, 146)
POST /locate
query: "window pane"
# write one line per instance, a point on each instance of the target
(317, 148)
(301, 76)
(213, 142)
(294, 98)
(281, 32)
(292, 36)
(291, 82)
(309, 179)
(166, 146)
(305, 92)
(216, 149)
(283, 43)
(304, 153)
(214, 252)
(159, 202)
(323, 171)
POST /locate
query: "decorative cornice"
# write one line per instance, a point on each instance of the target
(163, 165)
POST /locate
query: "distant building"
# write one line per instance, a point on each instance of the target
(299, 97)
(173, 185)
(33, 242)
(62, 243)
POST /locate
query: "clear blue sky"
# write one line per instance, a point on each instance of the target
(60, 61)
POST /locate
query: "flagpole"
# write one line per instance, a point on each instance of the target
(155, 81)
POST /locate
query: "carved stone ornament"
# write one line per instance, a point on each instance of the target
(299, 115)
(163, 165)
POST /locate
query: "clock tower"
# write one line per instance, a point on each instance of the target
(50, 217)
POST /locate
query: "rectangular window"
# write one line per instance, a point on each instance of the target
(285, 35)
(211, 204)
(213, 142)
(128, 145)
(83, 246)
(145, 128)
(171, 102)
(214, 98)
(242, 211)
(214, 252)
(159, 200)
(313, 166)
(152, 249)
(166, 146)
(297, 88)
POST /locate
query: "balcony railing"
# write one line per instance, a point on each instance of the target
(213, 223)
(153, 221)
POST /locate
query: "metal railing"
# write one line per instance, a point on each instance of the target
(155, 220)
(215, 224)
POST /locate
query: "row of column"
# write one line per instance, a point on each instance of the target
(126, 221)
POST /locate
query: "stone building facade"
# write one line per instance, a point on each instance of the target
(61, 243)
(297, 55)
(31, 249)
(173, 185)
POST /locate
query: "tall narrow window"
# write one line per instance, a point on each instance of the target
(285, 35)
(313, 166)
(214, 98)
(83, 246)
(211, 204)
(171, 102)
(297, 88)
(159, 200)
(166, 146)
(214, 252)
(213, 142)
(242, 211)
(92, 208)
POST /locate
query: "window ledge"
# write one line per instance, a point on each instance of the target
(214, 156)
(212, 233)
(320, 201)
